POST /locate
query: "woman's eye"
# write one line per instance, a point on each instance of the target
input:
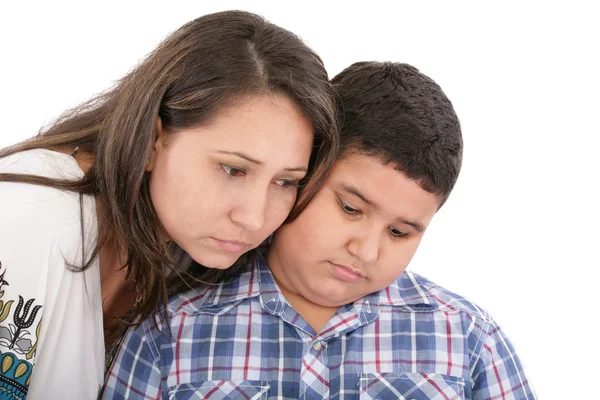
(288, 183)
(347, 209)
(232, 170)
(396, 233)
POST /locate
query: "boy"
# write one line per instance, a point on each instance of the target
(329, 311)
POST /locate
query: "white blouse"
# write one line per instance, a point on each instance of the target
(51, 333)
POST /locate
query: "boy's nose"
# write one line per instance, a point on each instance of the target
(365, 247)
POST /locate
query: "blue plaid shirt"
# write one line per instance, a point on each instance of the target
(242, 340)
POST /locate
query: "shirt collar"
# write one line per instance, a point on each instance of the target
(414, 292)
(409, 290)
(243, 286)
(255, 281)
(271, 296)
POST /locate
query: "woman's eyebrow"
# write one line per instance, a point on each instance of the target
(241, 155)
(257, 162)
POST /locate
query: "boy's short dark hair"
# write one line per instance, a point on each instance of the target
(393, 112)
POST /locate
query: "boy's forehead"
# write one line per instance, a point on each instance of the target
(381, 185)
(352, 166)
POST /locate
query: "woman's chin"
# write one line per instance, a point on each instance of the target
(216, 261)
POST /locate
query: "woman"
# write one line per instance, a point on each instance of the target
(201, 148)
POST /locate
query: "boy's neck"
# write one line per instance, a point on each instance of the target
(315, 315)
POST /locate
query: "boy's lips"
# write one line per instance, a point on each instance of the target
(346, 273)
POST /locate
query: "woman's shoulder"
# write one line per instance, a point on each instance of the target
(42, 162)
(38, 213)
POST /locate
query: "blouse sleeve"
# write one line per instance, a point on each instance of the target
(51, 337)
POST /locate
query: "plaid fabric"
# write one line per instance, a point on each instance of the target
(242, 340)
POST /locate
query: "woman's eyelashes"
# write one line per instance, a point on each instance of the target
(288, 183)
(233, 171)
(237, 172)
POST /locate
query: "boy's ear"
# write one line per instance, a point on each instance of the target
(158, 143)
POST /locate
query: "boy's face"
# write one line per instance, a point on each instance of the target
(355, 237)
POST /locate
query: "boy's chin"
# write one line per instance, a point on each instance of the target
(326, 301)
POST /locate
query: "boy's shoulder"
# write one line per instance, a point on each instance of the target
(418, 293)
(211, 298)
(184, 309)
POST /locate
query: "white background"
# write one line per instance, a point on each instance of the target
(519, 235)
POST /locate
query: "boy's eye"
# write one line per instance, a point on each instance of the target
(395, 232)
(347, 209)
(232, 170)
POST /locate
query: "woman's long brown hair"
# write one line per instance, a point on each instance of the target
(199, 69)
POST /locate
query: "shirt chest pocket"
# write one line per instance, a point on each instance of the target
(411, 386)
(220, 390)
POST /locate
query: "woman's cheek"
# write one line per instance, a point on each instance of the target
(281, 205)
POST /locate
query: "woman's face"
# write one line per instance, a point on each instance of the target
(221, 189)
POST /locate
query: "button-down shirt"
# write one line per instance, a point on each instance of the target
(243, 340)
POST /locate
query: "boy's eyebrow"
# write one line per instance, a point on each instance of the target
(257, 162)
(353, 190)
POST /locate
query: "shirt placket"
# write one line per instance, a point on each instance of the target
(314, 376)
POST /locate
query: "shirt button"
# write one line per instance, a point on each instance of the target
(317, 346)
